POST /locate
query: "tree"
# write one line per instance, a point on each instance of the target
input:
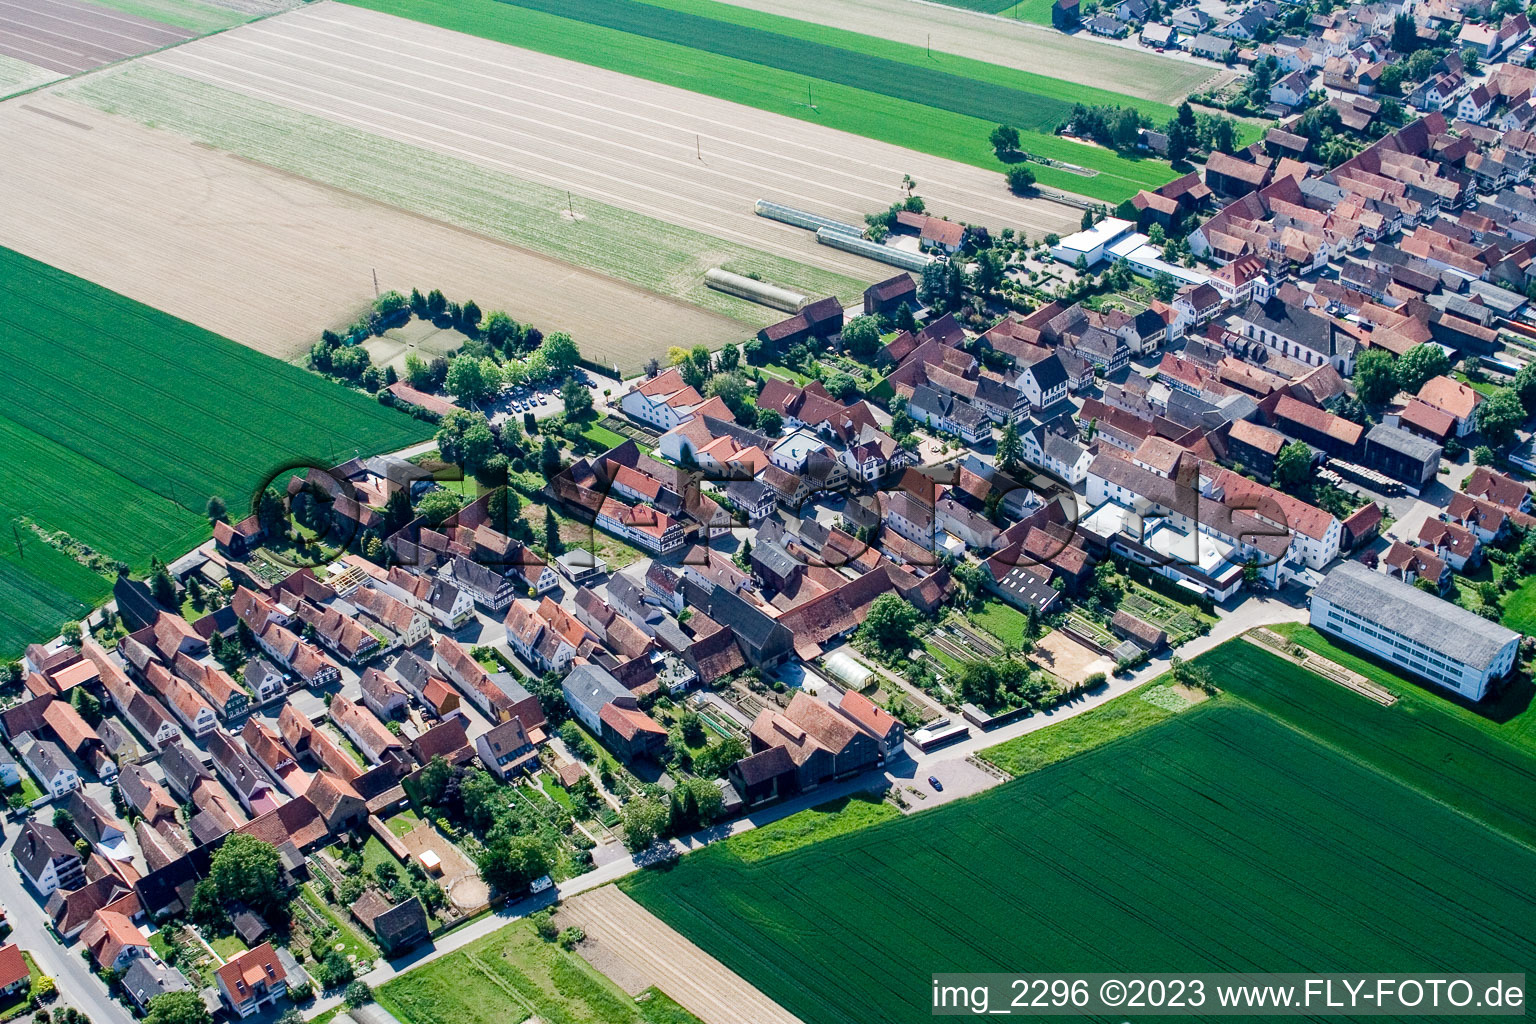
(549, 458)
(1499, 416)
(890, 623)
(1524, 386)
(437, 305)
(500, 330)
(1482, 455)
(358, 994)
(1005, 140)
(185, 1007)
(465, 439)
(216, 509)
(71, 634)
(770, 422)
(552, 542)
(247, 870)
(729, 359)
(472, 380)
(1009, 448)
(645, 821)
(434, 779)
(397, 510)
(1469, 60)
(1420, 363)
(716, 760)
(1375, 377)
(469, 317)
(577, 399)
(1294, 464)
(861, 336)
(162, 587)
(436, 506)
(576, 741)
(561, 351)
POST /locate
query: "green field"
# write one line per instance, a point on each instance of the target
(750, 65)
(1511, 718)
(1219, 840)
(1420, 742)
(119, 422)
(946, 81)
(513, 974)
(660, 257)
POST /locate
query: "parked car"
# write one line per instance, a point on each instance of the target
(933, 780)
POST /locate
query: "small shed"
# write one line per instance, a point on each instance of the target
(431, 862)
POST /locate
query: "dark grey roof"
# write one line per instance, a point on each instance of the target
(411, 668)
(591, 688)
(1408, 611)
(183, 769)
(147, 978)
(1412, 445)
(1048, 372)
(1028, 588)
(1293, 322)
(747, 493)
(1063, 449)
(476, 576)
(38, 844)
(47, 758)
(750, 625)
(775, 559)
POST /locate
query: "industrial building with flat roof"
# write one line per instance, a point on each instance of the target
(1414, 630)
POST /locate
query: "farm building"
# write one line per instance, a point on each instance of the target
(1092, 243)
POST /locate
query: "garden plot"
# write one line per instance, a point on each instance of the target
(690, 160)
(278, 258)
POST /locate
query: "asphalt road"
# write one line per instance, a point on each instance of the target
(77, 985)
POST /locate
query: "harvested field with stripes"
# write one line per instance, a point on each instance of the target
(1216, 840)
(279, 258)
(683, 158)
(627, 941)
(70, 36)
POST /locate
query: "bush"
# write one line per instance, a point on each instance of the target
(570, 937)
(544, 924)
(1093, 681)
(358, 994)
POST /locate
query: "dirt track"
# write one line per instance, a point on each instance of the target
(1026, 47)
(650, 951)
(685, 158)
(268, 259)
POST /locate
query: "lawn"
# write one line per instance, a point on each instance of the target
(1423, 741)
(403, 822)
(513, 974)
(1520, 608)
(227, 946)
(835, 818)
(376, 853)
(119, 422)
(850, 90)
(1218, 840)
(557, 792)
(602, 436)
(1123, 716)
(1003, 621)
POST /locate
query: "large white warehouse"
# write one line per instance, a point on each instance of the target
(1416, 631)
